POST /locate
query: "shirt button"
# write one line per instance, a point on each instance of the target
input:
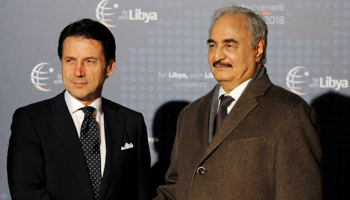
(201, 170)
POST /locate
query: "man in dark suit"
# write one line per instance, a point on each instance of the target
(247, 138)
(79, 145)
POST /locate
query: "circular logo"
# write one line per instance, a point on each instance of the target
(295, 80)
(102, 15)
(40, 75)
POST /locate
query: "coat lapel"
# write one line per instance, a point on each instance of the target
(203, 120)
(68, 136)
(114, 128)
(213, 110)
(246, 103)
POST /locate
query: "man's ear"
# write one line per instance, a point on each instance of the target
(110, 66)
(259, 49)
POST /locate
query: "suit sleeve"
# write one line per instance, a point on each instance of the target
(144, 162)
(168, 191)
(298, 157)
(25, 160)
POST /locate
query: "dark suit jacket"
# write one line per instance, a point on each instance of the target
(268, 147)
(46, 161)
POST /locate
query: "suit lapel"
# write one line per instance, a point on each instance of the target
(246, 103)
(212, 114)
(68, 136)
(114, 128)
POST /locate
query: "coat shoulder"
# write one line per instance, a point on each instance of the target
(280, 95)
(37, 109)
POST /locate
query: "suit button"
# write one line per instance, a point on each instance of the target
(201, 170)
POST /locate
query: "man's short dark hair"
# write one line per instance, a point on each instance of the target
(89, 29)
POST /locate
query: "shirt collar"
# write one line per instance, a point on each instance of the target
(74, 105)
(235, 93)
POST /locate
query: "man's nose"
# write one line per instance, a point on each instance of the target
(79, 70)
(219, 54)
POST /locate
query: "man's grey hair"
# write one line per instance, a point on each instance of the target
(257, 27)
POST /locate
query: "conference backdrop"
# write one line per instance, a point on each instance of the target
(161, 63)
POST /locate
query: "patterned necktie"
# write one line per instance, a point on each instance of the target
(90, 143)
(220, 116)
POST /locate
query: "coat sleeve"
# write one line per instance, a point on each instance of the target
(25, 166)
(298, 156)
(168, 191)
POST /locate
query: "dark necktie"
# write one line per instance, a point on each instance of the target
(90, 143)
(225, 101)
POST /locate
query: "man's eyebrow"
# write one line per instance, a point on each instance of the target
(230, 40)
(225, 41)
(68, 57)
(210, 41)
(91, 57)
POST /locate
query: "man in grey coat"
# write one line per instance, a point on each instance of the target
(247, 138)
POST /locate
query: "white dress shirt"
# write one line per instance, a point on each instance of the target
(78, 117)
(235, 94)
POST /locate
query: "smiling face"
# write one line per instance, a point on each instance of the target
(84, 68)
(231, 58)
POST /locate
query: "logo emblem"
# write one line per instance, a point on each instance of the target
(39, 76)
(295, 80)
(103, 13)
(106, 14)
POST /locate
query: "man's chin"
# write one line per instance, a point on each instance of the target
(222, 77)
(79, 96)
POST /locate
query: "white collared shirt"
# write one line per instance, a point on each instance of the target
(235, 93)
(78, 117)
